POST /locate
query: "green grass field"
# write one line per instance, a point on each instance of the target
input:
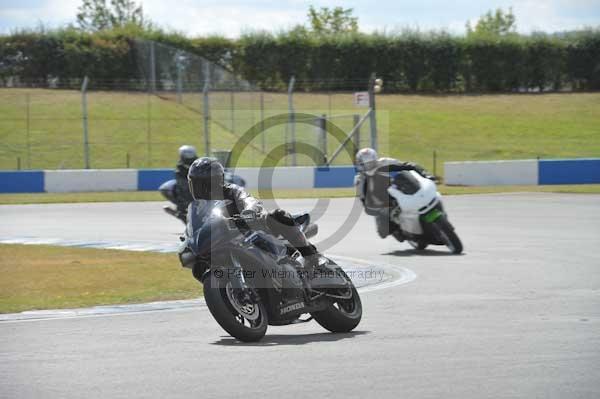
(127, 196)
(47, 133)
(46, 277)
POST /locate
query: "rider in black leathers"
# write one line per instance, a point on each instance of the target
(179, 192)
(206, 182)
(187, 155)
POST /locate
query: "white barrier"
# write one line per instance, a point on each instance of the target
(491, 173)
(62, 181)
(279, 178)
(82, 180)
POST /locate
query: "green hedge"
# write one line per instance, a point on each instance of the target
(407, 61)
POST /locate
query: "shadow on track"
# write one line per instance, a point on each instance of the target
(280, 339)
(424, 252)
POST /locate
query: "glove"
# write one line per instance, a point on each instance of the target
(281, 216)
(248, 214)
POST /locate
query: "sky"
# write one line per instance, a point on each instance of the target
(233, 17)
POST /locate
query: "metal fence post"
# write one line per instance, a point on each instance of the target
(373, 116)
(323, 137)
(152, 68)
(149, 130)
(232, 108)
(206, 117)
(28, 128)
(292, 119)
(252, 106)
(84, 110)
(206, 65)
(179, 84)
(262, 122)
(356, 138)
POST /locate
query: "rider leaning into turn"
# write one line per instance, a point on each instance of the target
(183, 197)
(206, 182)
(372, 181)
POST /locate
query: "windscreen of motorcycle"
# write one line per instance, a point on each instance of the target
(208, 225)
(406, 182)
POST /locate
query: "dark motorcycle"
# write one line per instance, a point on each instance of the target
(252, 279)
(170, 192)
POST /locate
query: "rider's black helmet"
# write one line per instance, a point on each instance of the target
(205, 178)
(187, 154)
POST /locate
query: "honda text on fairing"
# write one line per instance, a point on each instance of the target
(418, 215)
(253, 279)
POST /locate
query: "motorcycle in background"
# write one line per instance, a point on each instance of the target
(419, 215)
(169, 191)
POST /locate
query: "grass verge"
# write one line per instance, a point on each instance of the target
(132, 128)
(47, 277)
(136, 196)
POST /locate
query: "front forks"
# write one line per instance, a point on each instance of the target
(245, 293)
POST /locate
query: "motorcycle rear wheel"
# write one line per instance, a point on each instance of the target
(341, 315)
(246, 322)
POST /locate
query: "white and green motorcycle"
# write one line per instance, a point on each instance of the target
(419, 216)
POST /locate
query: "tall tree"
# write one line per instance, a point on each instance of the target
(332, 21)
(499, 23)
(94, 15)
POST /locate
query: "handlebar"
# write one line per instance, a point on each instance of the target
(240, 217)
(246, 221)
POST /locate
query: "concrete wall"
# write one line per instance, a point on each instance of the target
(491, 173)
(523, 172)
(72, 181)
(569, 171)
(278, 178)
(59, 181)
(334, 176)
(21, 181)
(151, 179)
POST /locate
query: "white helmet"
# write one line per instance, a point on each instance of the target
(366, 159)
(187, 154)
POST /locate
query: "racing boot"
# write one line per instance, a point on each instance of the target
(170, 210)
(320, 274)
(382, 222)
(176, 213)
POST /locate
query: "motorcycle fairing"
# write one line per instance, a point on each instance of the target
(412, 206)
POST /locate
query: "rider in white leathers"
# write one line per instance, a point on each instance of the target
(373, 179)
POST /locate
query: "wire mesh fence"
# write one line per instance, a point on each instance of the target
(177, 98)
(44, 128)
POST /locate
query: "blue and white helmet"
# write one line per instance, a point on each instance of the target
(366, 159)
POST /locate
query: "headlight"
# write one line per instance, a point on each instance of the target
(187, 258)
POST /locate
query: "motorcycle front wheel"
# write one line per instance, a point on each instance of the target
(245, 321)
(449, 236)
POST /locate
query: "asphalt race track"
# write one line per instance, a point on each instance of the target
(518, 315)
